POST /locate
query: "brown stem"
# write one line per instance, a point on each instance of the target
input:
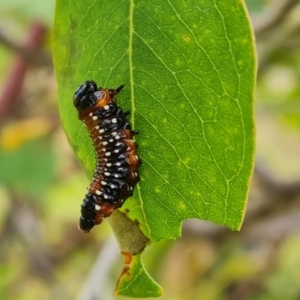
(13, 86)
(274, 16)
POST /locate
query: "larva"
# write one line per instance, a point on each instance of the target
(117, 160)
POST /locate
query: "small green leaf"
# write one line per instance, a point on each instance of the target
(189, 72)
(135, 283)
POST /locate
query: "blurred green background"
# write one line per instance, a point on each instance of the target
(42, 253)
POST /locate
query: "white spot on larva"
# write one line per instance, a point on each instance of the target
(106, 107)
(98, 192)
(114, 120)
(107, 153)
(105, 143)
(135, 173)
(104, 150)
(108, 164)
(117, 151)
(97, 207)
(136, 157)
(131, 188)
(117, 175)
(105, 169)
(113, 186)
(101, 130)
(95, 118)
(118, 164)
(97, 127)
(117, 137)
(114, 133)
(100, 137)
(105, 196)
(118, 144)
(103, 182)
(110, 140)
(90, 114)
(106, 173)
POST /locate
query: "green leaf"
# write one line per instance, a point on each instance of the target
(135, 283)
(189, 72)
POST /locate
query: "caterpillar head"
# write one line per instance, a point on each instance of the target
(85, 97)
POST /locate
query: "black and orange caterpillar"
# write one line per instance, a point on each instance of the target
(117, 161)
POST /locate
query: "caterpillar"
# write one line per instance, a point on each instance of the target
(117, 161)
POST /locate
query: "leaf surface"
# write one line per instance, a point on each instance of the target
(189, 72)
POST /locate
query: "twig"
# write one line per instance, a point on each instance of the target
(273, 16)
(95, 286)
(32, 56)
(13, 86)
(27, 226)
(275, 187)
(274, 228)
